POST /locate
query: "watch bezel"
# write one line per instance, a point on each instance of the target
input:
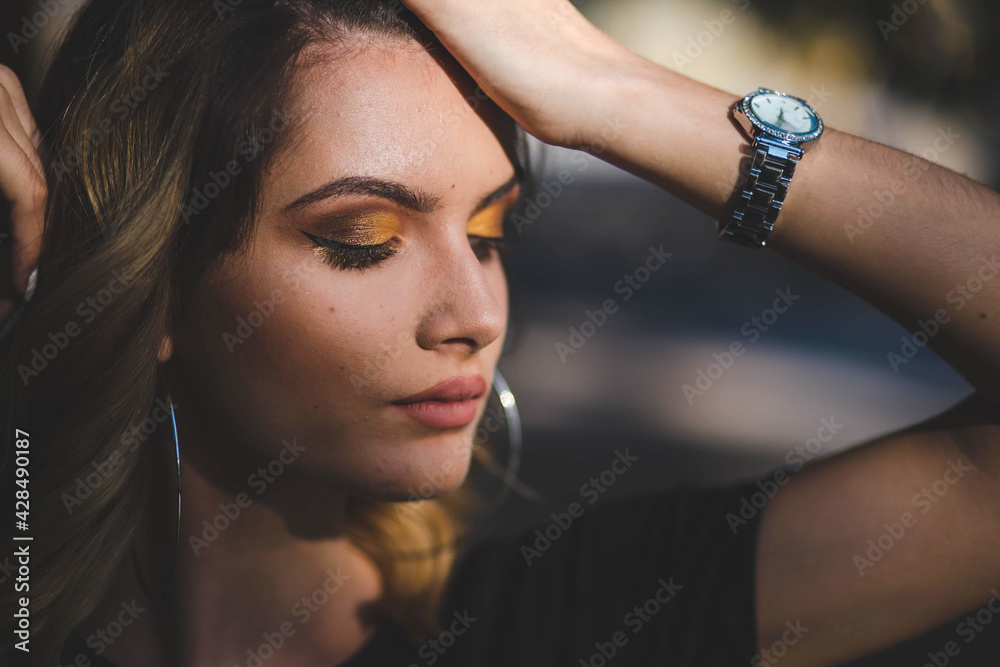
(748, 112)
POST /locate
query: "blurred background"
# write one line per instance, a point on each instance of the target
(920, 75)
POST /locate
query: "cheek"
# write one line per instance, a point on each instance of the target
(290, 345)
(285, 347)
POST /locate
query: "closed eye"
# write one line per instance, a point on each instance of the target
(352, 257)
(483, 245)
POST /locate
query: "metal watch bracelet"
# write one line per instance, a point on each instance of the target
(763, 193)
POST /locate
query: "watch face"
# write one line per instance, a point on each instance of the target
(785, 116)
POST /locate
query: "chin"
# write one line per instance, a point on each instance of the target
(420, 470)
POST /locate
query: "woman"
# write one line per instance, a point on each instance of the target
(280, 218)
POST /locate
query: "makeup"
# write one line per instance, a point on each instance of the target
(448, 404)
(488, 223)
(363, 239)
(441, 414)
(357, 240)
(365, 227)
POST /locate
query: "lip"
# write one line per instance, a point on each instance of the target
(455, 388)
(448, 404)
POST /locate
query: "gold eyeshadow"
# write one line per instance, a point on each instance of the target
(364, 238)
(489, 221)
(364, 228)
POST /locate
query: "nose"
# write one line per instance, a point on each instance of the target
(467, 298)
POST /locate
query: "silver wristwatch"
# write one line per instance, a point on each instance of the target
(780, 127)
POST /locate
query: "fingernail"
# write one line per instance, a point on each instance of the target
(32, 282)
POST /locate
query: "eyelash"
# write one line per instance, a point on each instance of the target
(349, 257)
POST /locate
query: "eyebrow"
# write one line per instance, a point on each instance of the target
(413, 199)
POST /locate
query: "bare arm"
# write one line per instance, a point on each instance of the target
(931, 257)
(931, 493)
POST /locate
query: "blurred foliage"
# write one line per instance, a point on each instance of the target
(942, 51)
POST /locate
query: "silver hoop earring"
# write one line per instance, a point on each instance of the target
(514, 439)
(177, 536)
(509, 478)
(513, 419)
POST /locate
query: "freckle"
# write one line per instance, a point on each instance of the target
(315, 407)
(332, 309)
(982, 315)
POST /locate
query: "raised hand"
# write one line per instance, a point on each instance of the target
(541, 61)
(22, 185)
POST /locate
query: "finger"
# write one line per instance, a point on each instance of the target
(26, 193)
(10, 120)
(10, 82)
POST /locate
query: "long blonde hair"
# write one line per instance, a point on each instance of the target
(142, 102)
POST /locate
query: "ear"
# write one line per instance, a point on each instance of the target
(166, 349)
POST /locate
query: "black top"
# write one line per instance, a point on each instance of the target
(655, 579)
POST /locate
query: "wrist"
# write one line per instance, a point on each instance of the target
(673, 131)
(611, 94)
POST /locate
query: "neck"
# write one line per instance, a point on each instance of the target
(263, 566)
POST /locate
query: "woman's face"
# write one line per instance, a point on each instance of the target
(308, 338)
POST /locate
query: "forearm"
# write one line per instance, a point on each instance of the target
(926, 253)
